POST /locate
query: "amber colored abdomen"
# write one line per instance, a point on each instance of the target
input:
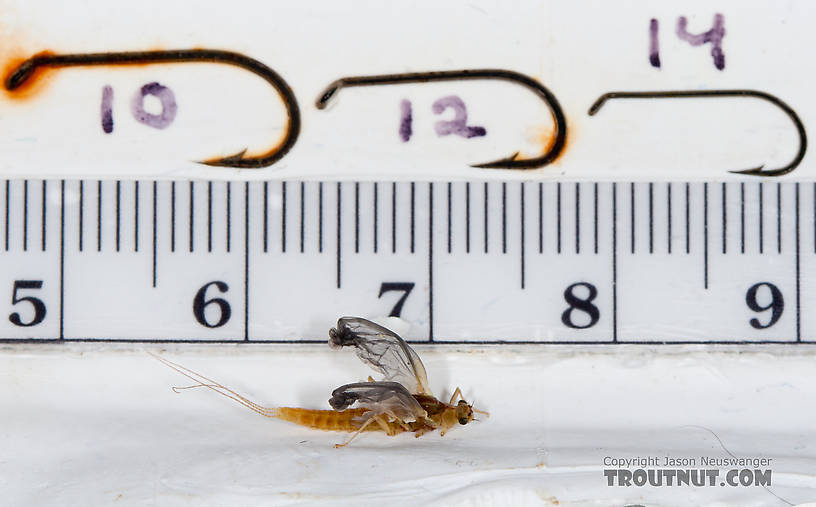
(328, 420)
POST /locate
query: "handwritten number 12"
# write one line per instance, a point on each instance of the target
(457, 126)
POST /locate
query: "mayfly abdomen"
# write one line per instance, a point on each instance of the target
(328, 420)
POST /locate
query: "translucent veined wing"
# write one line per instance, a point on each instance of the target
(383, 350)
(388, 398)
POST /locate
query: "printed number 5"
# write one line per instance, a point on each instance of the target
(39, 306)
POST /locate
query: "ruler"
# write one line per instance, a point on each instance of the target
(465, 261)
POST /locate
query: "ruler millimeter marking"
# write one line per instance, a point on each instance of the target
(462, 262)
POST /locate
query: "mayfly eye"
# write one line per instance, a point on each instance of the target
(463, 420)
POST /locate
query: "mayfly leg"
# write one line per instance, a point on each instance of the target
(365, 424)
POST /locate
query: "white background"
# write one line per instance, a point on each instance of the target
(90, 424)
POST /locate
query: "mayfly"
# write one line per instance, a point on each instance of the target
(401, 402)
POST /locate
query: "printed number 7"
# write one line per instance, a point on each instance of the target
(405, 287)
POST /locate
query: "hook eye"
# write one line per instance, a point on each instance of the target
(511, 162)
(26, 70)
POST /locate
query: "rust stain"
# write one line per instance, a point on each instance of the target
(32, 86)
(543, 136)
(38, 79)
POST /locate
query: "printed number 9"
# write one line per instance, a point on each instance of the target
(776, 305)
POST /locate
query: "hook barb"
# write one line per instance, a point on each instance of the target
(511, 162)
(675, 94)
(25, 70)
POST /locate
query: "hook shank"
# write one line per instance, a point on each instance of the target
(510, 162)
(674, 94)
(26, 69)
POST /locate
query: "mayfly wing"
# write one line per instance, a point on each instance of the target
(383, 350)
(389, 398)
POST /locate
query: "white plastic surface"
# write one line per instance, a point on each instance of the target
(94, 425)
(97, 424)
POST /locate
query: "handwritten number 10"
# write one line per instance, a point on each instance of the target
(457, 126)
(161, 120)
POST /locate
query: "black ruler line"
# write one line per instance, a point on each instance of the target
(761, 207)
(724, 218)
(81, 212)
(467, 217)
(172, 216)
(421, 342)
(209, 216)
(651, 217)
(283, 216)
(742, 217)
(376, 216)
(614, 262)
(394, 217)
(7, 214)
(356, 217)
(246, 261)
(413, 198)
(688, 221)
(540, 217)
(595, 215)
(486, 207)
(339, 231)
(669, 216)
(632, 215)
(705, 235)
(44, 232)
(454, 343)
(798, 270)
(118, 212)
(99, 215)
(320, 217)
(62, 262)
(302, 216)
(25, 215)
(778, 217)
(450, 185)
(190, 225)
(577, 218)
(136, 216)
(430, 262)
(504, 217)
(229, 216)
(265, 216)
(155, 236)
(558, 217)
(521, 212)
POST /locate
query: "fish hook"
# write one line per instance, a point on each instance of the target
(675, 94)
(511, 162)
(26, 70)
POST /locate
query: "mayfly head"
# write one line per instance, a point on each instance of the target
(464, 412)
(340, 336)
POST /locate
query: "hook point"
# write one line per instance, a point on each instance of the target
(502, 163)
(227, 161)
(755, 171)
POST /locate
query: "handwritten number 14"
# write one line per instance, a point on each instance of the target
(713, 36)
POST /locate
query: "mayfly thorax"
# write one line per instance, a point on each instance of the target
(401, 402)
